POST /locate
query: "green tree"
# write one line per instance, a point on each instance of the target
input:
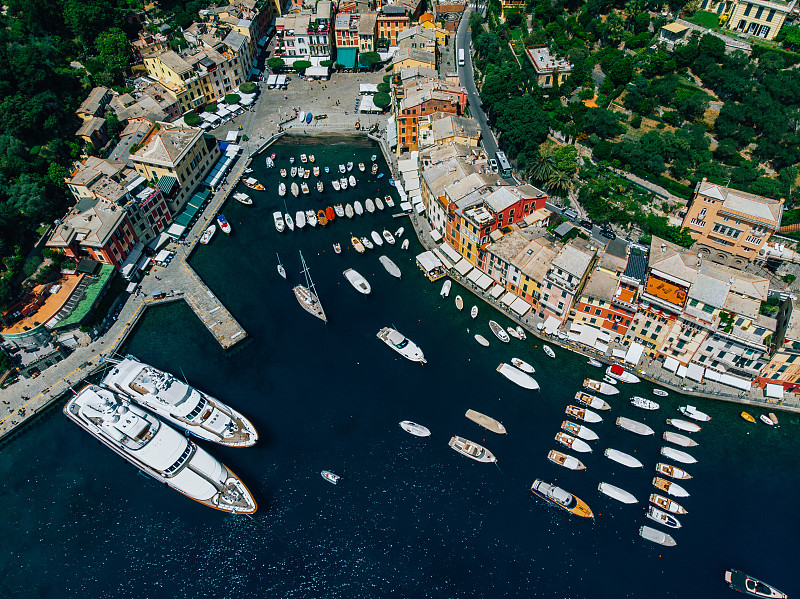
(381, 100)
(113, 125)
(275, 63)
(544, 164)
(369, 59)
(232, 98)
(301, 65)
(566, 159)
(248, 87)
(114, 51)
(475, 24)
(192, 119)
(559, 183)
(212, 108)
(603, 122)
(514, 20)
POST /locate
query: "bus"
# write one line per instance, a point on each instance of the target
(461, 57)
(503, 167)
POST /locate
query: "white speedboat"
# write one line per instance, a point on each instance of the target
(595, 363)
(283, 173)
(351, 180)
(584, 414)
(330, 476)
(580, 431)
(311, 218)
(303, 157)
(399, 232)
(664, 518)
(471, 450)
(208, 234)
(289, 221)
(634, 426)
(388, 237)
(446, 288)
(523, 366)
(684, 425)
(295, 189)
(315, 170)
(180, 404)
(349, 166)
(482, 340)
(369, 205)
(390, 267)
(336, 185)
(320, 186)
(304, 187)
(357, 281)
(600, 387)
(348, 210)
(521, 333)
(486, 422)
(312, 158)
(293, 172)
(269, 162)
(694, 413)
(300, 219)
(656, 536)
(376, 238)
(361, 166)
(474, 311)
(616, 493)
(339, 210)
(404, 245)
(591, 401)
(277, 217)
(513, 332)
(618, 372)
(499, 332)
(669, 487)
(158, 450)
(667, 504)
(645, 404)
(243, 198)
(379, 203)
(367, 243)
(343, 184)
(401, 344)
(678, 439)
(549, 351)
(573, 443)
(567, 461)
(415, 429)
(358, 208)
(672, 471)
(660, 392)
(282, 189)
(306, 174)
(623, 458)
(522, 379)
(389, 201)
(342, 169)
(677, 455)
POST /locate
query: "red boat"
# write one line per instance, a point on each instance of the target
(330, 213)
(272, 155)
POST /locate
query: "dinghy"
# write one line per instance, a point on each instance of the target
(678, 455)
(459, 303)
(684, 425)
(482, 340)
(634, 426)
(474, 312)
(390, 267)
(358, 208)
(679, 439)
(446, 288)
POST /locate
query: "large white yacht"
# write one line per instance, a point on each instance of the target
(401, 344)
(180, 404)
(158, 450)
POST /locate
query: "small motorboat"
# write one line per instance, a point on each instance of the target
(474, 311)
(499, 332)
(304, 187)
(205, 239)
(243, 198)
(348, 210)
(388, 199)
(660, 392)
(277, 217)
(656, 536)
(361, 167)
(645, 404)
(320, 186)
(446, 288)
(253, 184)
(330, 213)
(677, 455)
(358, 281)
(679, 439)
(404, 245)
(459, 303)
(306, 173)
(694, 413)
(303, 157)
(672, 471)
(766, 420)
(339, 210)
(670, 488)
(342, 169)
(634, 426)
(623, 458)
(359, 210)
(573, 443)
(561, 498)
(390, 267)
(289, 221)
(664, 518)
(269, 162)
(399, 232)
(684, 425)
(471, 450)
(311, 218)
(774, 418)
(482, 340)
(616, 493)
(521, 333)
(308, 118)
(295, 189)
(513, 332)
(293, 172)
(349, 166)
(374, 169)
(316, 171)
(667, 504)
(595, 363)
(291, 160)
(337, 247)
(357, 245)
(591, 401)
(379, 203)
(282, 189)
(330, 476)
(580, 431)
(549, 351)
(369, 205)
(583, 414)
(321, 218)
(343, 184)
(599, 387)
(367, 243)
(351, 180)
(283, 173)
(744, 583)
(224, 225)
(567, 461)
(388, 237)
(300, 219)
(311, 157)
(618, 372)
(525, 381)
(522, 365)
(610, 380)
(336, 186)
(376, 237)
(747, 416)
(374, 157)
(415, 429)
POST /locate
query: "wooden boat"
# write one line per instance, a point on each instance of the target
(679, 439)
(321, 218)
(289, 221)
(499, 332)
(361, 167)
(672, 471)
(634, 426)
(677, 455)
(311, 218)
(379, 204)
(446, 288)
(390, 267)
(357, 280)
(343, 184)
(471, 450)
(389, 201)
(369, 205)
(307, 294)
(295, 189)
(336, 185)
(549, 351)
(358, 208)
(522, 365)
(579, 431)
(656, 536)
(486, 422)
(694, 413)
(623, 458)
(645, 404)
(320, 186)
(243, 198)
(459, 303)
(415, 429)
(348, 210)
(482, 340)
(599, 387)
(525, 381)
(330, 476)
(774, 418)
(474, 311)
(330, 214)
(684, 425)
(620, 495)
(563, 499)
(352, 181)
(567, 461)
(595, 363)
(660, 392)
(667, 504)
(583, 414)
(765, 419)
(339, 210)
(664, 518)
(669, 487)
(573, 443)
(388, 237)
(744, 583)
(253, 184)
(747, 417)
(224, 225)
(357, 245)
(591, 401)
(367, 243)
(404, 245)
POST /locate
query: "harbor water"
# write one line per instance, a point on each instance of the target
(410, 517)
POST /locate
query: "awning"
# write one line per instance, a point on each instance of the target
(157, 243)
(634, 354)
(406, 206)
(222, 112)
(368, 106)
(521, 307)
(485, 281)
(508, 298)
(368, 88)
(131, 287)
(162, 256)
(588, 336)
(436, 236)
(391, 132)
(183, 219)
(232, 136)
(450, 252)
(420, 208)
(253, 73)
(272, 80)
(681, 372)
(774, 391)
(695, 372)
(428, 261)
(551, 325)
(166, 183)
(405, 165)
(199, 198)
(316, 72)
(463, 266)
(496, 291)
(346, 57)
(411, 184)
(234, 108)
(671, 364)
(247, 100)
(219, 171)
(474, 275)
(439, 254)
(618, 353)
(601, 347)
(175, 231)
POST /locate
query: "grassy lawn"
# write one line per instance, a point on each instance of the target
(709, 20)
(516, 34)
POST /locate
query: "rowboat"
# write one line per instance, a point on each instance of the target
(549, 351)
(561, 498)
(482, 340)
(293, 172)
(694, 413)
(306, 173)
(677, 455)
(618, 372)
(390, 267)
(459, 303)
(667, 504)
(747, 417)
(348, 210)
(399, 232)
(283, 173)
(744, 583)
(330, 213)
(513, 332)
(357, 245)
(337, 248)
(599, 387)
(623, 458)
(499, 331)
(670, 488)
(311, 218)
(474, 311)
(389, 201)
(369, 205)
(765, 419)
(679, 439)
(525, 381)
(645, 404)
(321, 218)
(523, 366)
(349, 166)
(311, 157)
(672, 471)
(521, 333)
(367, 243)
(404, 245)
(660, 392)
(282, 189)
(774, 418)
(486, 422)
(664, 518)
(656, 536)
(579, 431)
(243, 198)
(634, 426)
(343, 184)
(684, 425)
(471, 450)
(573, 443)
(320, 186)
(583, 414)
(352, 181)
(616, 493)
(361, 167)
(295, 189)
(415, 429)
(208, 234)
(567, 461)
(591, 401)
(446, 288)
(358, 208)
(388, 237)
(316, 171)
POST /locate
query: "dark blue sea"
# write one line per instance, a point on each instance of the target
(410, 517)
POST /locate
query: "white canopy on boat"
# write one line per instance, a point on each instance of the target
(671, 364)
(496, 291)
(463, 266)
(551, 325)
(450, 252)
(520, 306)
(695, 372)
(774, 391)
(634, 354)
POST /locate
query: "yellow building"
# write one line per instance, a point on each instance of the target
(406, 58)
(760, 18)
(784, 366)
(427, 21)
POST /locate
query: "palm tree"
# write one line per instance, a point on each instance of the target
(543, 165)
(559, 182)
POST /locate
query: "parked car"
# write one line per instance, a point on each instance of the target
(586, 224)
(493, 164)
(608, 233)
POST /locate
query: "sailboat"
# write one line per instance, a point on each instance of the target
(281, 269)
(307, 294)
